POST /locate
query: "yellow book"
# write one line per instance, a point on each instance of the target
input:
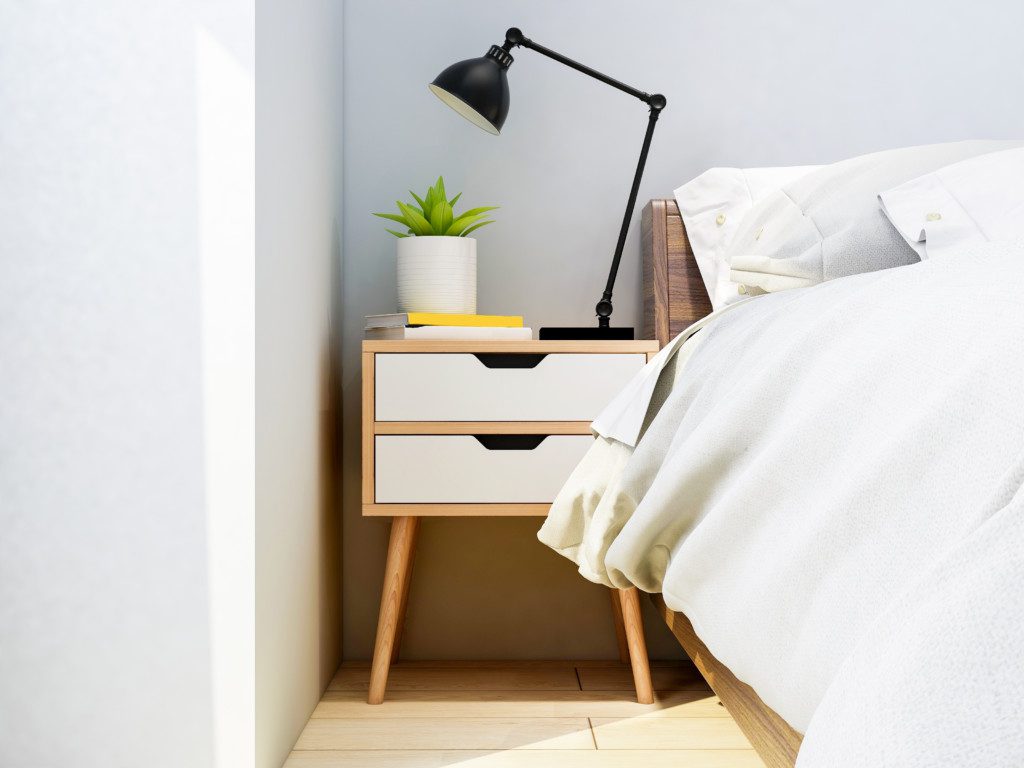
(401, 319)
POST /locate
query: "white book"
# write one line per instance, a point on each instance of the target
(450, 332)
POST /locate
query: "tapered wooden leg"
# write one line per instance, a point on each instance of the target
(631, 619)
(405, 595)
(392, 601)
(620, 629)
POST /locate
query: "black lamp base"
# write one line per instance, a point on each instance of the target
(590, 333)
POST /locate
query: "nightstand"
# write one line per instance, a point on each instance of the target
(486, 429)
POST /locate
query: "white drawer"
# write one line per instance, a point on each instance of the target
(459, 469)
(462, 387)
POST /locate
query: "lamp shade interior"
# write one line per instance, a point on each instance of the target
(464, 109)
(477, 89)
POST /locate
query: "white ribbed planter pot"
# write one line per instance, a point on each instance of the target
(437, 274)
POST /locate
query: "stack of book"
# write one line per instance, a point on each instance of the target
(427, 325)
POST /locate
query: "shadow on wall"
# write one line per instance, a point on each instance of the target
(330, 473)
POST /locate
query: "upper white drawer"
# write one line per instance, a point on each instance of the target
(468, 387)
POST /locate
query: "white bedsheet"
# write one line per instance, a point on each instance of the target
(818, 456)
(938, 679)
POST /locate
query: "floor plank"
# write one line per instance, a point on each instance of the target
(418, 678)
(681, 733)
(686, 758)
(620, 678)
(440, 733)
(352, 704)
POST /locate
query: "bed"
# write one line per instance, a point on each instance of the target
(674, 298)
(817, 615)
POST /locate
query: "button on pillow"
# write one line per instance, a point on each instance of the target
(975, 200)
(828, 224)
(712, 206)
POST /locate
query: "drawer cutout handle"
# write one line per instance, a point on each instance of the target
(510, 442)
(509, 360)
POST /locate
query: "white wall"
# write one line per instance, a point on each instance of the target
(748, 83)
(298, 147)
(126, 267)
(131, 425)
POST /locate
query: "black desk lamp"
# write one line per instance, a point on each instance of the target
(478, 90)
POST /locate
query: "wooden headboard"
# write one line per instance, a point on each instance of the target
(674, 293)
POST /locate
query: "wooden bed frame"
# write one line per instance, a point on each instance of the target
(674, 298)
(674, 293)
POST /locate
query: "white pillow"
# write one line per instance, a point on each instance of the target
(712, 206)
(972, 201)
(828, 224)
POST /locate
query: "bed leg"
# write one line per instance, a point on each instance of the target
(629, 600)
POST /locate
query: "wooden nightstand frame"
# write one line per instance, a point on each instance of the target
(406, 517)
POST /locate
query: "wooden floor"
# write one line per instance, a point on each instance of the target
(515, 714)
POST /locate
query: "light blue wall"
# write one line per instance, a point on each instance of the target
(748, 83)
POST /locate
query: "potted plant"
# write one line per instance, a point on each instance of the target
(436, 256)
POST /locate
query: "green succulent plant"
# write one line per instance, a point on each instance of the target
(434, 215)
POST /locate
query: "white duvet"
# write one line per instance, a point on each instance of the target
(828, 485)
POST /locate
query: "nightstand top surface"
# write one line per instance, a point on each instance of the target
(462, 345)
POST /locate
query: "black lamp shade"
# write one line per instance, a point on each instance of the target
(477, 89)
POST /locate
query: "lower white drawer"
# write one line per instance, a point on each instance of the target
(459, 469)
